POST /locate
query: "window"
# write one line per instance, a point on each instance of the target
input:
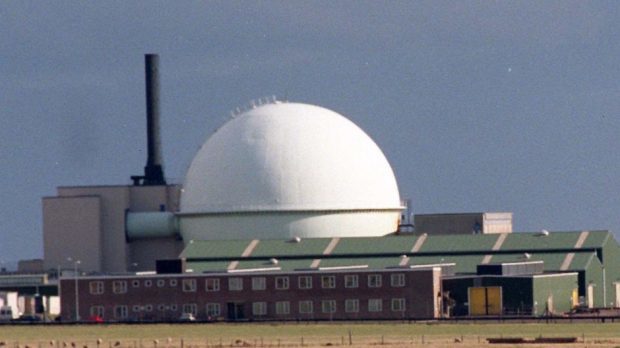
(398, 304)
(374, 280)
(120, 312)
(173, 307)
(212, 284)
(137, 308)
(375, 305)
(282, 283)
(119, 286)
(161, 307)
(306, 307)
(352, 305)
(328, 306)
(397, 280)
(283, 307)
(189, 285)
(235, 284)
(135, 283)
(190, 308)
(213, 310)
(161, 283)
(173, 283)
(148, 308)
(328, 282)
(148, 283)
(351, 281)
(96, 287)
(97, 311)
(259, 283)
(305, 282)
(259, 308)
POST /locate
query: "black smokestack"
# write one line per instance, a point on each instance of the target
(153, 171)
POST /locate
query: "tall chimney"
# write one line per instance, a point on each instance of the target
(153, 171)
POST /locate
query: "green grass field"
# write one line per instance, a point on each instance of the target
(292, 334)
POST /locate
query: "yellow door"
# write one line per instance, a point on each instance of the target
(575, 298)
(494, 300)
(485, 300)
(477, 301)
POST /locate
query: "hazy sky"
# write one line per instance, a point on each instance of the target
(478, 106)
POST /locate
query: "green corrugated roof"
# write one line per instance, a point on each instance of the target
(463, 263)
(553, 261)
(367, 245)
(459, 243)
(214, 248)
(306, 246)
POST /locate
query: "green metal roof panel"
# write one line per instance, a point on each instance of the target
(214, 248)
(207, 266)
(459, 243)
(464, 263)
(369, 245)
(281, 247)
(371, 262)
(596, 239)
(553, 261)
(539, 241)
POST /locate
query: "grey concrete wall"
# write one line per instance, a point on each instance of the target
(69, 222)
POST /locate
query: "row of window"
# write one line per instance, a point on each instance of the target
(258, 283)
(260, 308)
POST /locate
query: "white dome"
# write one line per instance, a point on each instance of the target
(288, 158)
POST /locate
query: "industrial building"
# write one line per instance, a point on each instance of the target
(290, 190)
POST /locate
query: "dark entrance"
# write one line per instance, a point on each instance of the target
(235, 311)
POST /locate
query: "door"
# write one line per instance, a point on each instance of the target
(485, 300)
(235, 311)
(590, 294)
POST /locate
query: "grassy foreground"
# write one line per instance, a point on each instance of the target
(293, 334)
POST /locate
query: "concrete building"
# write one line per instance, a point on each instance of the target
(463, 223)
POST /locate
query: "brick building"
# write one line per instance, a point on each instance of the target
(323, 294)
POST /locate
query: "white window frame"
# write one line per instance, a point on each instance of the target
(259, 308)
(189, 285)
(259, 283)
(119, 286)
(235, 284)
(283, 307)
(148, 283)
(97, 311)
(328, 306)
(398, 305)
(161, 283)
(375, 280)
(213, 309)
(96, 287)
(190, 308)
(212, 284)
(173, 283)
(304, 282)
(351, 281)
(397, 280)
(282, 283)
(121, 312)
(306, 307)
(328, 282)
(375, 305)
(352, 305)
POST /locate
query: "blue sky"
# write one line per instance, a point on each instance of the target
(478, 105)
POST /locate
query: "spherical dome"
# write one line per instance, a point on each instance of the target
(287, 159)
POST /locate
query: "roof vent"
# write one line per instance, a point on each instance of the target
(527, 255)
(273, 261)
(544, 233)
(296, 239)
